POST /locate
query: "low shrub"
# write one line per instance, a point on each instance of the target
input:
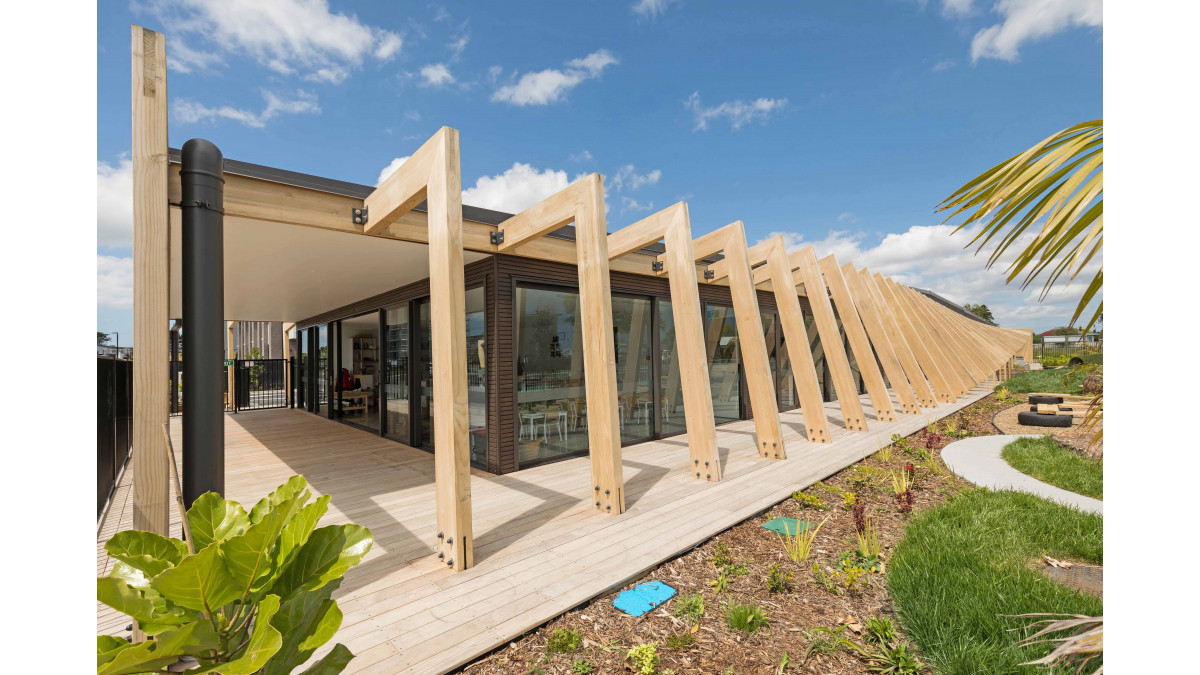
(808, 501)
(644, 658)
(563, 641)
(681, 641)
(881, 630)
(689, 607)
(778, 580)
(747, 617)
(582, 667)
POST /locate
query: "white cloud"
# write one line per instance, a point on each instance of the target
(412, 115)
(943, 65)
(518, 188)
(191, 112)
(847, 218)
(459, 45)
(957, 7)
(114, 281)
(436, 75)
(628, 175)
(1032, 20)
(114, 204)
(581, 156)
(631, 204)
(929, 257)
(650, 8)
(552, 85)
(287, 36)
(332, 75)
(738, 112)
(390, 169)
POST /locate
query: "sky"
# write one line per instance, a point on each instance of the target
(840, 125)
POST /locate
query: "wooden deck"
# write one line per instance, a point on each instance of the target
(541, 548)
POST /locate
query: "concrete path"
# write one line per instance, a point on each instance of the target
(978, 460)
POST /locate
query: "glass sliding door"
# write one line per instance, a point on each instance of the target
(397, 375)
(670, 386)
(632, 339)
(302, 343)
(324, 371)
(358, 357)
(477, 395)
(424, 384)
(551, 402)
(724, 360)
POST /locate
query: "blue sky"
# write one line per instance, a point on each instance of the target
(837, 124)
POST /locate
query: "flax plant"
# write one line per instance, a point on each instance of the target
(798, 546)
(868, 539)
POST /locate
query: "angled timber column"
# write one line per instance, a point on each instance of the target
(778, 270)
(432, 174)
(948, 361)
(673, 227)
(151, 267)
(583, 203)
(969, 352)
(861, 345)
(944, 381)
(888, 306)
(752, 344)
(867, 297)
(806, 272)
(898, 361)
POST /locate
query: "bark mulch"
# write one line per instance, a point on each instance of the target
(607, 634)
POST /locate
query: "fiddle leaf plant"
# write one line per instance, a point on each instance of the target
(255, 597)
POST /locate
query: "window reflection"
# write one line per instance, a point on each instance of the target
(723, 358)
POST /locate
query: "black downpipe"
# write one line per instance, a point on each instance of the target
(203, 184)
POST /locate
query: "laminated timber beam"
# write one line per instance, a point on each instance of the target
(583, 203)
(731, 240)
(673, 227)
(951, 368)
(887, 306)
(944, 382)
(433, 175)
(804, 261)
(899, 364)
(774, 267)
(860, 345)
(151, 286)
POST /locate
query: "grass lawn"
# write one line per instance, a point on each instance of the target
(962, 564)
(1047, 381)
(1046, 460)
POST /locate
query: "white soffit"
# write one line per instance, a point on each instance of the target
(280, 272)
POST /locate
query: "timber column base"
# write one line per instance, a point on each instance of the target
(710, 472)
(609, 499)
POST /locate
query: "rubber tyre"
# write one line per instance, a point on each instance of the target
(1031, 419)
(1045, 400)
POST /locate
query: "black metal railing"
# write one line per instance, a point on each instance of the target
(114, 424)
(1064, 349)
(259, 384)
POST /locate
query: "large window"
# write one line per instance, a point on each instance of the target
(551, 405)
(477, 402)
(635, 398)
(724, 358)
(396, 374)
(673, 420)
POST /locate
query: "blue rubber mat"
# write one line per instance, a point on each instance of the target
(787, 526)
(643, 598)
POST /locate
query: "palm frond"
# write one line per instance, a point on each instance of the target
(1060, 181)
(1083, 644)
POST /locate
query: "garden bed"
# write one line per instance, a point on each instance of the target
(596, 637)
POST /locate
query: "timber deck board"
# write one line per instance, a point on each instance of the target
(541, 548)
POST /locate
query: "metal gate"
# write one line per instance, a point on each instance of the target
(259, 384)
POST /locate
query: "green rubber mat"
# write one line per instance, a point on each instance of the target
(787, 526)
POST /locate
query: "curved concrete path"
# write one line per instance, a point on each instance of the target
(978, 460)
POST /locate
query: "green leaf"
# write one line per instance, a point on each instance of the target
(248, 555)
(281, 494)
(298, 529)
(306, 621)
(146, 551)
(201, 582)
(332, 663)
(214, 519)
(107, 648)
(195, 639)
(327, 554)
(143, 604)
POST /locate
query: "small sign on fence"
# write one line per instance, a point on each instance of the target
(229, 363)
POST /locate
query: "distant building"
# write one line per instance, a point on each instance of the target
(1050, 337)
(111, 352)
